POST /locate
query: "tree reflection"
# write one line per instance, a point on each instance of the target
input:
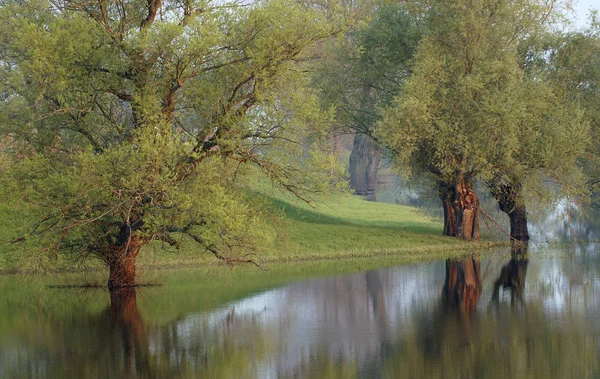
(462, 286)
(123, 316)
(512, 275)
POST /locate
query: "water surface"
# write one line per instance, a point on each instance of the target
(488, 317)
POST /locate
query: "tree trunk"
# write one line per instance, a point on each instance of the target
(462, 286)
(446, 193)
(364, 164)
(466, 208)
(374, 160)
(122, 260)
(510, 200)
(461, 210)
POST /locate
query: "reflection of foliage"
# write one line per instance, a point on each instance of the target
(384, 323)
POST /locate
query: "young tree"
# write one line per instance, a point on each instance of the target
(137, 116)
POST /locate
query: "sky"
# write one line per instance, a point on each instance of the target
(582, 8)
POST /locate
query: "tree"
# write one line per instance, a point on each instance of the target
(466, 112)
(364, 73)
(138, 118)
(573, 66)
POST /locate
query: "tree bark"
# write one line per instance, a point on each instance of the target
(510, 200)
(466, 208)
(122, 260)
(461, 210)
(446, 193)
(374, 160)
(364, 164)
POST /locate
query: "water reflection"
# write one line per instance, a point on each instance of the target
(123, 317)
(462, 286)
(491, 317)
(512, 277)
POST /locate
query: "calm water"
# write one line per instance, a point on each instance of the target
(494, 317)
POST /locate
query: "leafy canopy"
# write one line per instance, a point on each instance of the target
(133, 121)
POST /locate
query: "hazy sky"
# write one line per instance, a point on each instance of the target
(582, 8)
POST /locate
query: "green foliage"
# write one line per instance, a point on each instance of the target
(471, 110)
(136, 123)
(366, 70)
(574, 69)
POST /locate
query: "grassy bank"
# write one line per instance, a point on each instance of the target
(338, 226)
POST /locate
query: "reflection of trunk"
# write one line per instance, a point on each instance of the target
(512, 275)
(122, 258)
(375, 289)
(510, 199)
(364, 164)
(461, 210)
(462, 287)
(125, 316)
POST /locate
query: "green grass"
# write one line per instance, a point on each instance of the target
(338, 226)
(341, 226)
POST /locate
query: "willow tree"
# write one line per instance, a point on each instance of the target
(573, 65)
(362, 74)
(465, 111)
(131, 121)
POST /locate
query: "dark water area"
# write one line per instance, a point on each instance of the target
(493, 316)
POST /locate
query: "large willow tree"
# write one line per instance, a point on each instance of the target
(129, 120)
(470, 110)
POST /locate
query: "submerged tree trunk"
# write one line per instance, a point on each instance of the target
(364, 164)
(123, 314)
(512, 275)
(510, 200)
(122, 258)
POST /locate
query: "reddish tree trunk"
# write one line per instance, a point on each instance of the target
(466, 208)
(461, 210)
(121, 264)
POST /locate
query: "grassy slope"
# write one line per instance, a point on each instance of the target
(343, 225)
(339, 226)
